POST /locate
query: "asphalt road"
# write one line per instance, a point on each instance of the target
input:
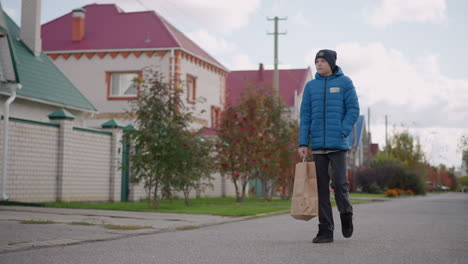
(430, 229)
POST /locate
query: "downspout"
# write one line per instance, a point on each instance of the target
(6, 119)
(173, 66)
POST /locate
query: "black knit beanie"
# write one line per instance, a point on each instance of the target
(329, 56)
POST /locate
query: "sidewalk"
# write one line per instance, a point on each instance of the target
(46, 227)
(73, 226)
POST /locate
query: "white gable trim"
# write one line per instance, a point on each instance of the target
(139, 49)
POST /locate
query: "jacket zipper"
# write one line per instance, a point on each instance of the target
(324, 111)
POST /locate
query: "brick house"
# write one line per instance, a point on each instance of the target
(291, 85)
(50, 156)
(44, 88)
(101, 59)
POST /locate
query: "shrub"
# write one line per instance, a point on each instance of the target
(391, 193)
(373, 188)
(372, 180)
(407, 180)
(398, 192)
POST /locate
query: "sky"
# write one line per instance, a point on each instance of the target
(407, 58)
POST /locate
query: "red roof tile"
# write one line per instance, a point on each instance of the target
(107, 27)
(290, 81)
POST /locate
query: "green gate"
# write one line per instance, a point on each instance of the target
(124, 189)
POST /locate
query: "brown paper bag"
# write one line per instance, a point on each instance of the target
(304, 204)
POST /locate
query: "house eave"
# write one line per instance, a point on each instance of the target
(137, 49)
(51, 103)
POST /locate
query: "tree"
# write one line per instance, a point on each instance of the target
(254, 137)
(195, 165)
(287, 146)
(404, 148)
(162, 138)
(229, 156)
(463, 146)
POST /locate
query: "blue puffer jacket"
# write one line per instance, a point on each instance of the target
(329, 110)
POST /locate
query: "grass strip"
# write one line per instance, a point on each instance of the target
(37, 222)
(126, 227)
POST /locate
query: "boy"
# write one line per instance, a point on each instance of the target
(329, 110)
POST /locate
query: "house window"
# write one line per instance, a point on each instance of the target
(215, 117)
(121, 85)
(191, 89)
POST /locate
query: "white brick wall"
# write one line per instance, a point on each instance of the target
(32, 161)
(35, 163)
(88, 167)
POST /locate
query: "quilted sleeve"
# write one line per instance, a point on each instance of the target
(305, 118)
(351, 109)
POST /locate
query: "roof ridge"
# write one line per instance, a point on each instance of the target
(165, 22)
(66, 14)
(171, 27)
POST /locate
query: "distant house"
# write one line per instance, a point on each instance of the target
(101, 49)
(359, 141)
(292, 83)
(44, 88)
(361, 149)
(46, 153)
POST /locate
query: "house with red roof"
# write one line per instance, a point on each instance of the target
(102, 48)
(40, 88)
(291, 85)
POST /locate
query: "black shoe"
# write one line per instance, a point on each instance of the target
(347, 224)
(319, 239)
(324, 235)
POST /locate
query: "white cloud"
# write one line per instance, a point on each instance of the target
(299, 19)
(439, 144)
(215, 45)
(280, 66)
(242, 61)
(394, 11)
(221, 16)
(388, 78)
(411, 91)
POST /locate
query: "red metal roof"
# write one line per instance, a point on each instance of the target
(290, 81)
(107, 27)
(374, 149)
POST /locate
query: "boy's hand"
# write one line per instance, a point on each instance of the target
(302, 152)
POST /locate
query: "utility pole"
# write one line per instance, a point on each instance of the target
(276, 73)
(386, 138)
(368, 119)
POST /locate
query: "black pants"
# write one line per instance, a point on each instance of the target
(340, 185)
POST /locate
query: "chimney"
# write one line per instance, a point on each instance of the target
(260, 72)
(31, 25)
(78, 24)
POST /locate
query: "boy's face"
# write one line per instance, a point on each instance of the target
(322, 66)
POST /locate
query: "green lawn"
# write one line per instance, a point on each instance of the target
(214, 206)
(367, 195)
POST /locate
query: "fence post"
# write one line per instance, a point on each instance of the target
(115, 160)
(65, 121)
